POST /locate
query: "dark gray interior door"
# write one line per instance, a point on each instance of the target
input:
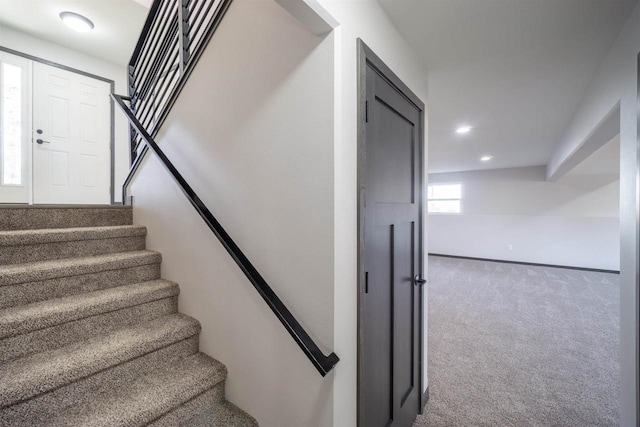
(390, 244)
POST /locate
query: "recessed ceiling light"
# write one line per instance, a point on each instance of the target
(76, 22)
(486, 158)
(463, 129)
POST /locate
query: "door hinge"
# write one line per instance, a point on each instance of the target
(366, 111)
(366, 282)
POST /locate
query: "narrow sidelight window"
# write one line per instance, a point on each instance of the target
(11, 144)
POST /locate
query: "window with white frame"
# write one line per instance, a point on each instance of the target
(444, 198)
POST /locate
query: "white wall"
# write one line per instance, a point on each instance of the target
(266, 132)
(571, 222)
(617, 81)
(363, 19)
(59, 54)
(252, 132)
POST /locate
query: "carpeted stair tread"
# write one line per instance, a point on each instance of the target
(40, 410)
(23, 246)
(225, 414)
(148, 398)
(90, 335)
(21, 217)
(80, 330)
(44, 270)
(42, 372)
(30, 237)
(44, 314)
(206, 410)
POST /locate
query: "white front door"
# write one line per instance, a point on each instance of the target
(71, 138)
(15, 128)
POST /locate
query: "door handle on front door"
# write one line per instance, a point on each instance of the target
(41, 141)
(417, 281)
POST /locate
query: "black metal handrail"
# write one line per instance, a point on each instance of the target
(322, 363)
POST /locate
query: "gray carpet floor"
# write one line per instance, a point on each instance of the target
(515, 345)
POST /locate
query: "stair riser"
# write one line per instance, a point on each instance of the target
(41, 218)
(60, 250)
(40, 410)
(79, 330)
(26, 293)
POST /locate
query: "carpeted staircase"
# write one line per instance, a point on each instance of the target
(90, 335)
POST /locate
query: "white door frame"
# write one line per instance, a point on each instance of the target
(111, 112)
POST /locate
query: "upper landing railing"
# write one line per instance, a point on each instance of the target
(172, 40)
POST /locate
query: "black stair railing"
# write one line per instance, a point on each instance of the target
(173, 39)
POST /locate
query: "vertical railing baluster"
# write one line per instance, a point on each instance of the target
(183, 29)
(132, 132)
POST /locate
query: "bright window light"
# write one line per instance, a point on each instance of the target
(76, 22)
(444, 198)
(11, 141)
(463, 129)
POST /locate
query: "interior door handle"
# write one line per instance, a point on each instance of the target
(418, 281)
